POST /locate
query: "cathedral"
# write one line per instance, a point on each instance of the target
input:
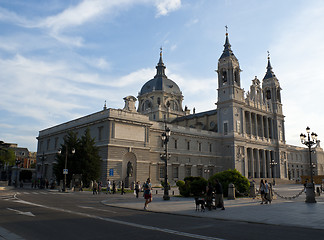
(246, 131)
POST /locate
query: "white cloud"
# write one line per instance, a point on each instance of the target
(164, 7)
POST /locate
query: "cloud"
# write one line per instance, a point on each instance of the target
(164, 7)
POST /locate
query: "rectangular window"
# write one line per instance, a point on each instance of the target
(188, 145)
(175, 172)
(162, 171)
(225, 128)
(175, 143)
(210, 147)
(188, 171)
(199, 147)
(200, 171)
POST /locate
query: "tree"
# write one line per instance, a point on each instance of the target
(7, 156)
(90, 161)
(85, 160)
(240, 182)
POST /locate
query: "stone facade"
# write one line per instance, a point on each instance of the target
(246, 132)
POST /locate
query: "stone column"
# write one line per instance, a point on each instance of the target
(268, 164)
(252, 163)
(257, 163)
(264, 163)
(250, 120)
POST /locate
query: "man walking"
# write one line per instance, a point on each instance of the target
(108, 187)
(219, 201)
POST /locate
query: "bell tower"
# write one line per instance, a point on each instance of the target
(230, 94)
(272, 90)
(229, 79)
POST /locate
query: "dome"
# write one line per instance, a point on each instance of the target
(160, 82)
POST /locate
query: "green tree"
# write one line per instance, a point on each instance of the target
(90, 161)
(7, 156)
(70, 142)
(85, 160)
(241, 183)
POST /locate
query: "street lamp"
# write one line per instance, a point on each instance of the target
(17, 163)
(165, 139)
(65, 170)
(272, 165)
(310, 189)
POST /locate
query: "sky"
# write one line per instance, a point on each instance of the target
(62, 59)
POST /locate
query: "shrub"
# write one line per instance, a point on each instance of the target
(192, 186)
(241, 183)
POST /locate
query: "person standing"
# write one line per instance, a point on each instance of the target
(108, 186)
(114, 187)
(219, 200)
(266, 191)
(95, 187)
(261, 190)
(147, 193)
(137, 188)
(209, 193)
(122, 188)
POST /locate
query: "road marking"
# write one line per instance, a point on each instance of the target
(165, 230)
(22, 213)
(101, 210)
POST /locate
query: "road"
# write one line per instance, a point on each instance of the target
(41, 214)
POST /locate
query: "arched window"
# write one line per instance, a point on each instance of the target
(236, 77)
(268, 94)
(147, 105)
(224, 76)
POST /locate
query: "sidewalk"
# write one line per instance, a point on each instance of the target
(281, 212)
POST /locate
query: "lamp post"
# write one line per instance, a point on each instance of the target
(165, 139)
(309, 142)
(17, 163)
(272, 165)
(65, 170)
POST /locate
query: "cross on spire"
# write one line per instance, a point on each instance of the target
(226, 28)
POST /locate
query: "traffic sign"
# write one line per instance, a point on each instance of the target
(65, 171)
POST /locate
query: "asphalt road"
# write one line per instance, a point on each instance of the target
(40, 214)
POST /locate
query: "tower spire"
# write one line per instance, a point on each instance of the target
(160, 68)
(227, 46)
(269, 73)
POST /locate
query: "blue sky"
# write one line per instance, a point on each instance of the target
(61, 59)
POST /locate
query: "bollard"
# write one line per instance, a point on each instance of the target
(231, 192)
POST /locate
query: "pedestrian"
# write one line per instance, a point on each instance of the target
(99, 187)
(137, 188)
(261, 191)
(266, 192)
(114, 187)
(209, 193)
(95, 187)
(122, 188)
(219, 200)
(108, 186)
(147, 193)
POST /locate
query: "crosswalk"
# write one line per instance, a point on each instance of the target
(38, 193)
